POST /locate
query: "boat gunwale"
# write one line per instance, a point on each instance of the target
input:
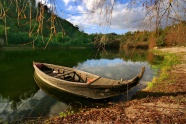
(119, 82)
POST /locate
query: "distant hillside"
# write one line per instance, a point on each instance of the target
(170, 36)
(35, 25)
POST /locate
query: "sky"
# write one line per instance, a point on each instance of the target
(90, 16)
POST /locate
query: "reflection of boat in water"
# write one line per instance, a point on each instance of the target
(81, 83)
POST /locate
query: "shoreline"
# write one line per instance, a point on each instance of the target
(164, 103)
(42, 48)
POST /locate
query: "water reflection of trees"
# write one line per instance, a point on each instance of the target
(134, 55)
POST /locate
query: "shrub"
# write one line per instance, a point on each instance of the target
(160, 41)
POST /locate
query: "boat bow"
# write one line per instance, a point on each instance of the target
(136, 79)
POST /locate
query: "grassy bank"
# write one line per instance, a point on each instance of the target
(170, 59)
(163, 77)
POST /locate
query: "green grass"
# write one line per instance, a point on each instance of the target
(66, 113)
(170, 60)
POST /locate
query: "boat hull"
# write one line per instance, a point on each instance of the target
(99, 89)
(82, 91)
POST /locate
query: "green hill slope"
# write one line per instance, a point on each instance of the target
(23, 23)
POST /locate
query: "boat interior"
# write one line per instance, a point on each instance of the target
(68, 74)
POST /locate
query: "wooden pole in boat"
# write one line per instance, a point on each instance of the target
(127, 92)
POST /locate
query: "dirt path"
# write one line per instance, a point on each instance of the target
(165, 103)
(181, 68)
(177, 50)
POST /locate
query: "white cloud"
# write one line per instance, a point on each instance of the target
(67, 1)
(48, 3)
(88, 14)
(91, 5)
(70, 8)
(123, 17)
(80, 9)
(42, 1)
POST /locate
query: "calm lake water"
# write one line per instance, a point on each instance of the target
(20, 97)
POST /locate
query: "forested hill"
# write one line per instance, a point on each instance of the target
(27, 24)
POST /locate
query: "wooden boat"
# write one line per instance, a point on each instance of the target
(81, 83)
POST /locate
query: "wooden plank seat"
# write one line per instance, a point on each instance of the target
(64, 74)
(48, 71)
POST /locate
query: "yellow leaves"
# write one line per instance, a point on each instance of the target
(104, 39)
(24, 16)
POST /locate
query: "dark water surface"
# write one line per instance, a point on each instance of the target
(21, 97)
